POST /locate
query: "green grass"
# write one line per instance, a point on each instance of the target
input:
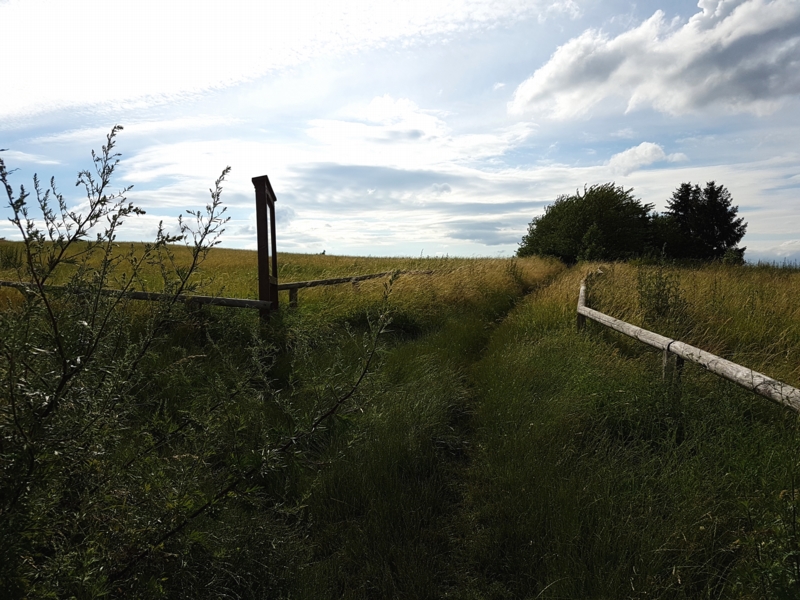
(491, 452)
(592, 480)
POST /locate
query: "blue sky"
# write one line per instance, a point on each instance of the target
(409, 127)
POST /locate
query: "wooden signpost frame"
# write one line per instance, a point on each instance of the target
(267, 245)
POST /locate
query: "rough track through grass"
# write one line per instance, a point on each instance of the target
(492, 451)
(590, 479)
(388, 515)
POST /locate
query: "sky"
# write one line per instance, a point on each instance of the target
(411, 127)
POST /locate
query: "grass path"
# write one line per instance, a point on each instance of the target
(388, 515)
(505, 455)
(587, 479)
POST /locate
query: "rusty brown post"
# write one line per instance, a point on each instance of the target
(267, 244)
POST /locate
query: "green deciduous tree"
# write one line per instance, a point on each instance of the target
(605, 222)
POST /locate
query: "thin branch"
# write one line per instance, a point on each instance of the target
(231, 486)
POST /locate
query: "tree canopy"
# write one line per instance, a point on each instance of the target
(702, 223)
(605, 222)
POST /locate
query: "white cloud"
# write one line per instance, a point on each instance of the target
(388, 111)
(788, 248)
(398, 133)
(640, 156)
(93, 135)
(788, 251)
(12, 156)
(448, 205)
(741, 55)
(149, 52)
(625, 133)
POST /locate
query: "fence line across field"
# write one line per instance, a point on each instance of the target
(293, 286)
(268, 286)
(261, 305)
(754, 381)
(155, 296)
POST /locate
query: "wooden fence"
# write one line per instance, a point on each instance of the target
(261, 305)
(747, 378)
(153, 296)
(293, 286)
(268, 286)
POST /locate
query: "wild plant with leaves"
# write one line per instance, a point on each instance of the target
(126, 426)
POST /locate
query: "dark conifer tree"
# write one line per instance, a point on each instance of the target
(704, 222)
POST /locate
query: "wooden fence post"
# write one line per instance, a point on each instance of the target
(678, 372)
(267, 244)
(671, 371)
(581, 304)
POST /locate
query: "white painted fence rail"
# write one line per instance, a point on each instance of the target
(747, 378)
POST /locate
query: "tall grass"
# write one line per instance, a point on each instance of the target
(591, 479)
(385, 508)
(362, 507)
(748, 314)
(492, 451)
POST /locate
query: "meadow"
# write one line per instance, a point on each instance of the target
(443, 435)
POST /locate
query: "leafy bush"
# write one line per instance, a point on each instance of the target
(604, 223)
(124, 429)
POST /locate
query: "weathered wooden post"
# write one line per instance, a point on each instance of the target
(267, 244)
(581, 304)
(671, 371)
(677, 374)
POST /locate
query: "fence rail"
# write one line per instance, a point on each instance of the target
(747, 378)
(293, 286)
(154, 296)
(230, 302)
(296, 285)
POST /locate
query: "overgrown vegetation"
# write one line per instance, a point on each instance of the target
(593, 481)
(607, 222)
(141, 441)
(420, 436)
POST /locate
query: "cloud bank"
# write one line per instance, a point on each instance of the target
(136, 54)
(740, 55)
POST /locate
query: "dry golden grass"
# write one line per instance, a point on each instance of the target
(434, 286)
(746, 314)
(453, 284)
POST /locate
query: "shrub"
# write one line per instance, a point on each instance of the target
(660, 298)
(124, 430)
(604, 223)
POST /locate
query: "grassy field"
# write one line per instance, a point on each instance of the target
(489, 449)
(595, 481)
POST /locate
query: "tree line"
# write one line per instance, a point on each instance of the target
(606, 222)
